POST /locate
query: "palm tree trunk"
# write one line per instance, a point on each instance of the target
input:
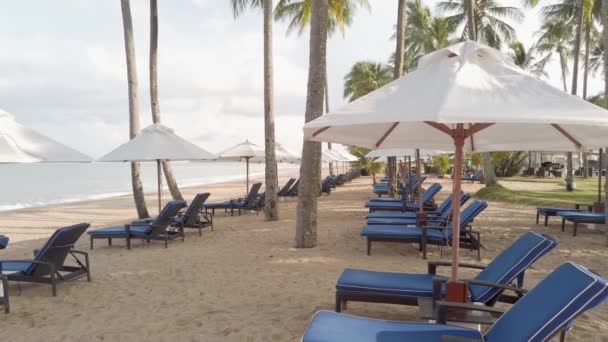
(471, 27)
(134, 125)
(331, 165)
(310, 171)
(562, 62)
(586, 70)
(577, 47)
(271, 207)
(155, 106)
(398, 68)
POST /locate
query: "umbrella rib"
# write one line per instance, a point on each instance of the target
(474, 128)
(386, 134)
(320, 130)
(442, 127)
(567, 135)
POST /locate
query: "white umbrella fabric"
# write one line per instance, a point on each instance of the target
(402, 152)
(19, 144)
(467, 97)
(247, 151)
(157, 143)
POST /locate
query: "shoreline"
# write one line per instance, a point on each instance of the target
(38, 222)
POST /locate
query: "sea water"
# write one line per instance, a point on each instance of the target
(34, 185)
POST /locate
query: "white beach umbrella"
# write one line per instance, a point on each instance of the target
(402, 152)
(285, 156)
(157, 143)
(19, 144)
(467, 97)
(247, 151)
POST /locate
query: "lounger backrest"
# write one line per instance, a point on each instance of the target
(57, 248)
(510, 263)
(430, 193)
(195, 207)
(252, 195)
(467, 215)
(294, 188)
(446, 206)
(287, 186)
(165, 218)
(552, 304)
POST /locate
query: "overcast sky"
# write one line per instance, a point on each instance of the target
(63, 69)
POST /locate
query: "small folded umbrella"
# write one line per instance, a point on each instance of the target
(157, 143)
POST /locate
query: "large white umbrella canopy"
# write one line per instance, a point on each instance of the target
(157, 143)
(19, 144)
(465, 97)
(402, 152)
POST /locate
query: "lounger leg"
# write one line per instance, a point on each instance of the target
(563, 225)
(109, 241)
(546, 220)
(369, 246)
(91, 242)
(5, 301)
(575, 228)
(88, 269)
(54, 284)
(338, 303)
(537, 217)
(128, 242)
(166, 239)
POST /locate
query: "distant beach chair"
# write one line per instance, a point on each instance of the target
(437, 217)
(247, 203)
(293, 192)
(326, 185)
(550, 308)
(194, 216)
(553, 211)
(155, 230)
(286, 187)
(427, 201)
(48, 265)
(475, 177)
(430, 235)
(3, 241)
(407, 288)
(578, 217)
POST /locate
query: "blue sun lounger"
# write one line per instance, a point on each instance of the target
(407, 288)
(155, 230)
(577, 217)
(552, 211)
(439, 217)
(550, 308)
(247, 203)
(3, 241)
(427, 200)
(48, 265)
(433, 235)
(404, 190)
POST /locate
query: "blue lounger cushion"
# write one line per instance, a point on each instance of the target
(3, 241)
(555, 210)
(15, 266)
(400, 232)
(402, 284)
(589, 217)
(216, 205)
(329, 326)
(120, 230)
(392, 221)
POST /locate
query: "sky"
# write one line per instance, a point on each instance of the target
(63, 69)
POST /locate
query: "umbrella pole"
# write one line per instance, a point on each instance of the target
(599, 178)
(420, 215)
(456, 291)
(247, 176)
(160, 183)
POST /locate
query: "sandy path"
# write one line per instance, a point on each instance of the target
(245, 282)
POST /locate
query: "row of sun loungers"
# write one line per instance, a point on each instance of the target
(536, 315)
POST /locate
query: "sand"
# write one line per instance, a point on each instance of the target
(245, 281)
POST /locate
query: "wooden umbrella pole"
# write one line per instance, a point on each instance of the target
(420, 215)
(247, 176)
(456, 290)
(160, 183)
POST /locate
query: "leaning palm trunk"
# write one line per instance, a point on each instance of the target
(586, 70)
(577, 51)
(134, 125)
(310, 171)
(398, 69)
(155, 106)
(471, 26)
(563, 64)
(271, 208)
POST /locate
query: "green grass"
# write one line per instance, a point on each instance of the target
(585, 193)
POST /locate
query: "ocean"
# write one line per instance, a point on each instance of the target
(35, 185)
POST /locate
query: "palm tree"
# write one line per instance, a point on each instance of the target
(596, 52)
(271, 208)
(310, 168)
(368, 164)
(134, 124)
(556, 36)
(340, 15)
(488, 17)
(365, 77)
(526, 60)
(155, 106)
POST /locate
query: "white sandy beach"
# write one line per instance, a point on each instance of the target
(244, 281)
